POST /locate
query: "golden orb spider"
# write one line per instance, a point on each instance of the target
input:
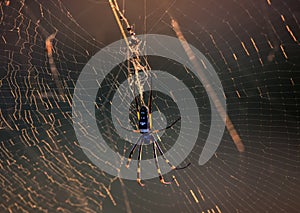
(144, 116)
(144, 113)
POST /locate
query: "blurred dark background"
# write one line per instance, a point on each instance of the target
(254, 48)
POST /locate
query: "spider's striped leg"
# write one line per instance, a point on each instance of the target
(161, 178)
(136, 102)
(167, 161)
(150, 105)
(139, 180)
(137, 108)
(131, 152)
(163, 155)
(168, 127)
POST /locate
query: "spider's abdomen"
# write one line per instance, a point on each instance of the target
(144, 120)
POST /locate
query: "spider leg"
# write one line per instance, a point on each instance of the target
(168, 127)
(161, 178)
(163, 155)
(167, 161)
(136, 102)
(139, 180)
(137, 108)
(150, 104)
(131, 152)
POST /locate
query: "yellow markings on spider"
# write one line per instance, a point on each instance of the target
(138, 116)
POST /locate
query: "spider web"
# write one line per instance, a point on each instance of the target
(253, 46)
